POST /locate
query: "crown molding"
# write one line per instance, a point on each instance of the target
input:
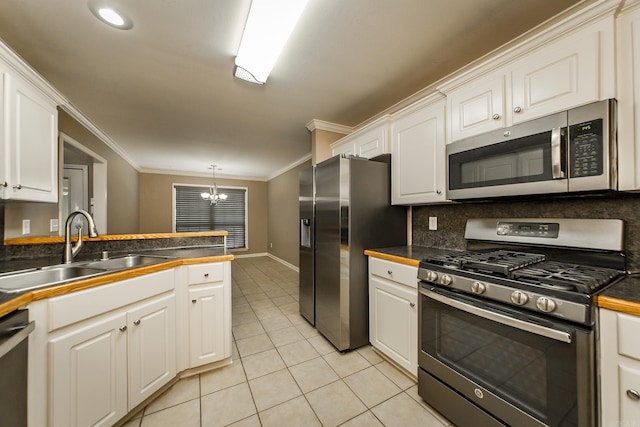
(330, 127)
(200, 174)
(70, 109)
(289, 167)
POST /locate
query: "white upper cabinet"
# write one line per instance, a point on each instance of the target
(418, 172)
(541, 77)
(368, 142)
(628, 55)
(477, 107)
(29, 142)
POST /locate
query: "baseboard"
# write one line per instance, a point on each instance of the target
(283, 262)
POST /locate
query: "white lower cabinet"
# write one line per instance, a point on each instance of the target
(89, 373)
(619, 368)
(103, 368)
(393, 312)
(209, 313)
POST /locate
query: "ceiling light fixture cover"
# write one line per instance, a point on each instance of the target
(269, 25)
(110, 15)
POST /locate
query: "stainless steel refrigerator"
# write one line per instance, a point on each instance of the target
(353, 212)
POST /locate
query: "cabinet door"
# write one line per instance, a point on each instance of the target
(418, 157)
(152, 347)
(629, 387)
(88, 375)
(556, 77)
(32, 148)
(345, 148)
(207, 325)
(393, 322)
(477, 107)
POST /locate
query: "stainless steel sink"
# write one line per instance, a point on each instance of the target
(124, 262)
(48, 276)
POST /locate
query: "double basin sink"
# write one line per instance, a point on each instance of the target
(62, 273)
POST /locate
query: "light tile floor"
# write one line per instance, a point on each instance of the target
(284, 373)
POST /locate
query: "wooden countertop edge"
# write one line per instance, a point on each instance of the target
(394, 258)
(112, 237)
(620, 305)
(39, 294)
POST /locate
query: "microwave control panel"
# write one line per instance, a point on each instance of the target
(586, 145)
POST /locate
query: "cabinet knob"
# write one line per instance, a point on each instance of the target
(194, 301)
(633, 394)
(17, 187)
(496, 116)
(4, 184)
(412, 304)
(123, 328)
(517, 110)
(507, 134)
(389, 272)
(136, 322)
(438, 191)
(206, 274)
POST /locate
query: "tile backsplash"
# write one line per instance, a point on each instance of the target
(453, 217)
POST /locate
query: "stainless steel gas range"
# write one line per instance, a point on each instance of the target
(506, 328)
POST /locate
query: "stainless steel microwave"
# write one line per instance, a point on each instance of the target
(570, 151)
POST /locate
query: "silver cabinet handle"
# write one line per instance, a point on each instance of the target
(123, 328)
(496, 116)
(17, 187)
(412, 304)
(438, 192)
(633, 394)
(517, 110)
(4, 184)
(556, 153)
(136, 322)
(389, 272)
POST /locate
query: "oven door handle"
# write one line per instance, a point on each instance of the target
(499, 318)
(15, 335)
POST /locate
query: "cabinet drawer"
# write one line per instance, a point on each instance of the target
(628, 343)
(205, 273)
(404, 274)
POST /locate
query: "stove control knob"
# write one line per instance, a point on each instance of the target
(478, 287)
(445, 280)
(546, 304)
(519, 298)
(432, 276)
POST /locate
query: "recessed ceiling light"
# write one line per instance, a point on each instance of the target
(109, 15)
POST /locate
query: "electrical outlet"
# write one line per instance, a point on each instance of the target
(433, 223)
(271, 245)
(26, 226)
(53, 225)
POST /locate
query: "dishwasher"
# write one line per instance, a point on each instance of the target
(14, 351)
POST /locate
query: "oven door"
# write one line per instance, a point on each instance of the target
(529, 158)
(510, 367)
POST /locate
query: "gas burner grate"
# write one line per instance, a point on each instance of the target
(501, 262)
(572, 277)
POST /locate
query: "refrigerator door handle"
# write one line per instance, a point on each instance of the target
(305, 232)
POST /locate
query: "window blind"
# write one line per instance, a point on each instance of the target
(196, 214)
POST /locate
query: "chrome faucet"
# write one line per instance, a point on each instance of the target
(72, 251)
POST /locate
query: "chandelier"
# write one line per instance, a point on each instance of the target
(212, 195)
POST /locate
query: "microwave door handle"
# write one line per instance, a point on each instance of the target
(556, 153)
(499, 318)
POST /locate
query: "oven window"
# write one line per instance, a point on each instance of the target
(527, 159)
(534, 373)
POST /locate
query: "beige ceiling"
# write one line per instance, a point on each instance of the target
(165, 93)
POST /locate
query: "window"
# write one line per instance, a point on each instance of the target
(192, 213)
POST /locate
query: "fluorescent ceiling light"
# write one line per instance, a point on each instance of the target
(269, 25)
(109, 15)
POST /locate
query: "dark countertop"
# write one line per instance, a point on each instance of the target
(409, 255)
(623, 296)
(175, 257)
